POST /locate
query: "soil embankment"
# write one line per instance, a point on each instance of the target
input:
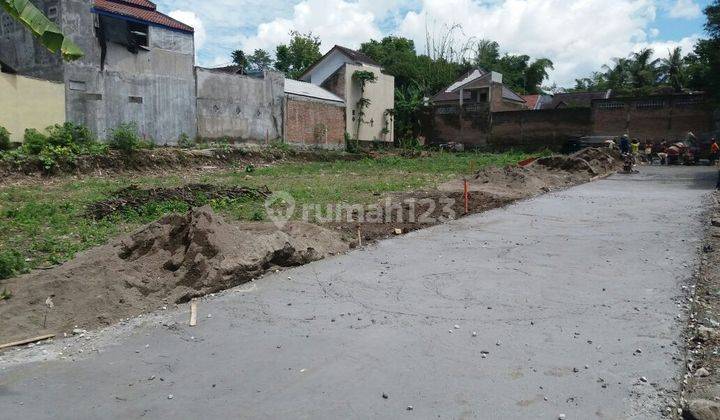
(181, 257)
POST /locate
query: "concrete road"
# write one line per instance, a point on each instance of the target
(562, 290)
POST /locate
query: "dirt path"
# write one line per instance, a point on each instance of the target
(573, 296)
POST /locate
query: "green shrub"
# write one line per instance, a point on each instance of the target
(50, 156)
(351, 146)
(125, 137)
(34, 141)
(11, 263)
(185, 142)
(69, 134)
(4, 139)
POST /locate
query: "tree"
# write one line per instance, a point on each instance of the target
(536, 74)
(239, 59)
(49, 35)
(643, 71)
(486, 54)
(260, 60)
(397, 57)
(297, 56)
(672, 69)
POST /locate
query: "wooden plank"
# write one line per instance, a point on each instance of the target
(193, 313)
(27, 341)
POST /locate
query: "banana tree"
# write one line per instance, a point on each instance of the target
(43, 28)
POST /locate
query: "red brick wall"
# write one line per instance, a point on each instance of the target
(470, 128)
(536, 130)
(666, 118)
(314, 123)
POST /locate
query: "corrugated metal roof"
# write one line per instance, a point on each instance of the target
(296, 87)
(475, 74)
(140, 10)
(508, 93)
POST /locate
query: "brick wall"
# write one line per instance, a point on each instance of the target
(314, 123)
(470, 127)
(536, 130)
(656, 118)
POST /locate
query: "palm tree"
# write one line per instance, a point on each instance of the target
(672, 69)
(42, 28)
(643, 70)
(618, 76)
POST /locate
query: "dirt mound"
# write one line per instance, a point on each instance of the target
(169, 261)
(544, 174)
(134, 198)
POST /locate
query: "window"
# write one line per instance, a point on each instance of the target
(139, 34)
(136, 99)
(611, 105)
(650, 104)
(52, 13)
(446, 110)
(77, 85)
(690, 100)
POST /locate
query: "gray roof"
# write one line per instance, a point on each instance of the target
(309, 90)
(508, 93)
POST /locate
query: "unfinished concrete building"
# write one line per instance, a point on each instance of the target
(138, 65)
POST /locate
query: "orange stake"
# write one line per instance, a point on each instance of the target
(466, 196)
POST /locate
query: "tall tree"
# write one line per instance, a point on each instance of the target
(240, 60)
(42, 28)
(536, 74)
(486, 54)
(672, 69)
(643, 71)
(297, 56)
(260, 60)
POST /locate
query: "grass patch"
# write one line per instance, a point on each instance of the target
(42, 225)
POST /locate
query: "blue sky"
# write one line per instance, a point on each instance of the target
(578, 35)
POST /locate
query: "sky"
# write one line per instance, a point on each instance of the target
(579, 36)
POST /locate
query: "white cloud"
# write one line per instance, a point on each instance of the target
(335, 22)
(579, 37)
(685, 9)
(192, 19)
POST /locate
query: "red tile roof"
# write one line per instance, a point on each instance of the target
(531, 100)
(141, 10)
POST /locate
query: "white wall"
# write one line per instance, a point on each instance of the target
(382, 97)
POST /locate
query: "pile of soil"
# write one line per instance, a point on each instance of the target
(417, 210)
(701, 391)
(134, 198)
(170, 261)
(542, 175)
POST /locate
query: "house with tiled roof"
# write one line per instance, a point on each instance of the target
(138, 65)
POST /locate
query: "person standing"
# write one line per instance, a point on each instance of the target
(714, 152)
(625, 144)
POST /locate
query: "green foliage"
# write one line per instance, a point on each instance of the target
(351, 145)
(239, 59)
(639, 74)
(44, 30)
(260, 60)
(4, 139)
(11, 263)
(51, 155)
(34, 141)
(125, 137)
(297, 56)
(5, 295)
(69, 134)
(185, 142)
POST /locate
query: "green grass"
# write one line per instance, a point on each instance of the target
(42, 225)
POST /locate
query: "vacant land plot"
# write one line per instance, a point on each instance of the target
(46, 222)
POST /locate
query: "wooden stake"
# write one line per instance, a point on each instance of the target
(27, 341)
(466, 195)
(359, 237)
(193, 313)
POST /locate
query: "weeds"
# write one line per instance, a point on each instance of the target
(4, 139)
(46, 224)
(125, 137)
